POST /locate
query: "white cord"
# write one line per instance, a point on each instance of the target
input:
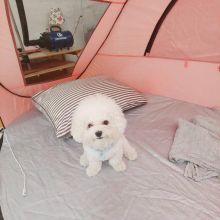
(24, 192)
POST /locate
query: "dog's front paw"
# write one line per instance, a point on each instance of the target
(93, 170)
(119, 167)
(84, 161)
(131, 154)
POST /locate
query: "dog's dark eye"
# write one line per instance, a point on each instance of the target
(106, 122)
(90, 125)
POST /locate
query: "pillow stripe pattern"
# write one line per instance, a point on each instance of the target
(59, 102)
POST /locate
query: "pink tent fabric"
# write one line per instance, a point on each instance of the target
(183, 62)
(191, 31)
(173, 67)
(133, 28)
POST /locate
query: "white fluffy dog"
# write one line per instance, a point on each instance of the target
(99, 124)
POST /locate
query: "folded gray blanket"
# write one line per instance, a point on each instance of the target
(197, 144)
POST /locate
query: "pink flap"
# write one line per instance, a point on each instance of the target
(191, 31)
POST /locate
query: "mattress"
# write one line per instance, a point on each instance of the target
(150, 188)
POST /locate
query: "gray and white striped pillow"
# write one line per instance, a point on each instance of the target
(59, 102)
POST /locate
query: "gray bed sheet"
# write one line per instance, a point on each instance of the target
(150, 188)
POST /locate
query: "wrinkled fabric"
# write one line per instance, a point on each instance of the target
(59, 189)
(199, 147)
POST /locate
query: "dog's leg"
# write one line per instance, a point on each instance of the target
(94, 168)
(129, 152)
(117, 163)
(84, 160)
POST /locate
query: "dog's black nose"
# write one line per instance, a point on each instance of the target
(98, 133)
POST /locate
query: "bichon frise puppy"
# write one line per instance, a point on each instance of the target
(99, 124)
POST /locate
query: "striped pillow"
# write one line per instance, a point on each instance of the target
(59, 102)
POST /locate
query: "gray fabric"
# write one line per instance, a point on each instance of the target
(59, 189)
(197, 144)
(208, 123)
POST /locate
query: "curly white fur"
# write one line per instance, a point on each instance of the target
(99, 124)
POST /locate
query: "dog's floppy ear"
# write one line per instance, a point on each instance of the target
(77, 128)
(120, 120)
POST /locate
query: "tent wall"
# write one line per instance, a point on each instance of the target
(129, 20)
(191, 32)
(112, 1)
(98, 37)
(122, 56)
(134, 27)
(196, 82)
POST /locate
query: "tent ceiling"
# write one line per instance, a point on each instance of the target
(131, 38)
(191, 31)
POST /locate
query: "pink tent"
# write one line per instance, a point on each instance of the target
(170, 48)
